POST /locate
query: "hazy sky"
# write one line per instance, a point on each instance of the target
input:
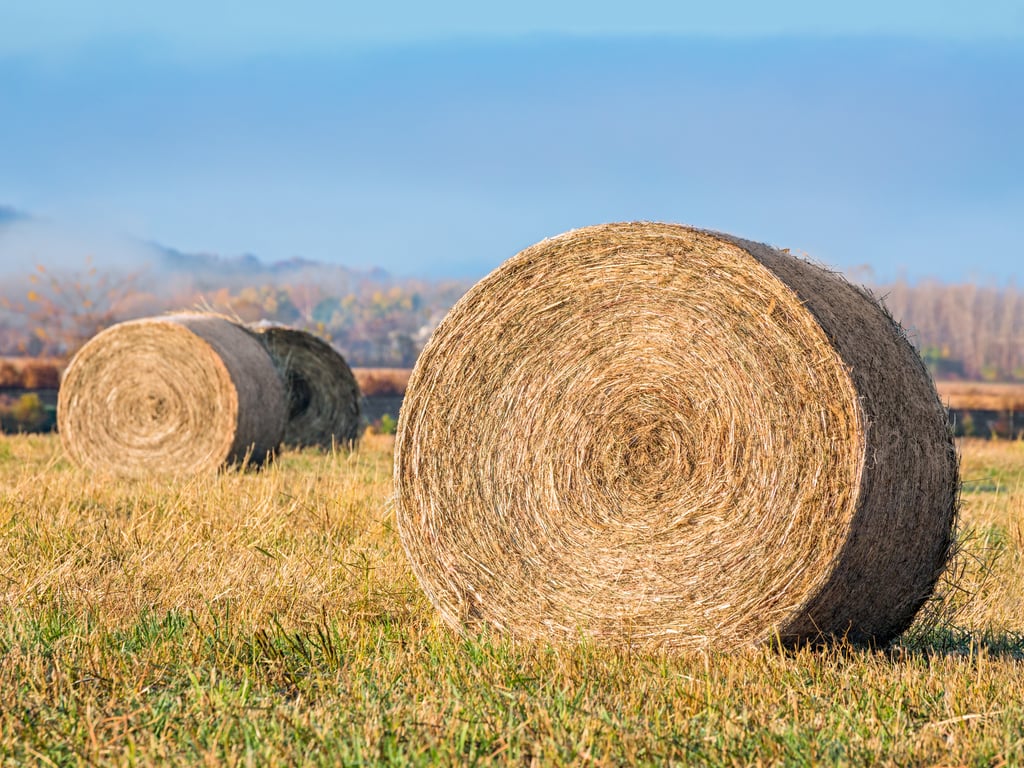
(441, 138)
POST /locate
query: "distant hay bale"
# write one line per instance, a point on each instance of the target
(179, 394)
(323, 396)
(664, 437)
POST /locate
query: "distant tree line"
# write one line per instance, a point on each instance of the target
(963, 330)
(374, 319)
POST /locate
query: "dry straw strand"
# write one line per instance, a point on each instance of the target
(178, 394)
(660, 436)
(323, 395)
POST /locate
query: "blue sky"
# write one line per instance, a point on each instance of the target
(440, 139)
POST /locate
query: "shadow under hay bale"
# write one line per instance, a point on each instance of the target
(663, 437)
(179, 394)
(323, 396)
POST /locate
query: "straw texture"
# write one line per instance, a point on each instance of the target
(179, 394)
(659, 436)
(323, 396)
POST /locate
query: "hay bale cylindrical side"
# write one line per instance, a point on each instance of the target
(179, 394)
(666, 437)
(323, 395)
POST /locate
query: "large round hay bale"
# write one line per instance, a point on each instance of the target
(323, 396)
(178, 394)
(659, 436)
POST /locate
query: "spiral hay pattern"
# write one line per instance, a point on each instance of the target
(179, 394)
(664, 437)
(323, 396)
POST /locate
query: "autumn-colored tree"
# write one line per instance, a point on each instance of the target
(63, 310)
(254, 303)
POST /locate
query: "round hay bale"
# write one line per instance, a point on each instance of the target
(665, 437)
(323, 396)
(178, 394)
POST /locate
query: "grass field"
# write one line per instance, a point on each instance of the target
(270, 619)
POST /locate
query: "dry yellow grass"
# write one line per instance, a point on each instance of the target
(992, 567)
(271, 618)
(280, 542)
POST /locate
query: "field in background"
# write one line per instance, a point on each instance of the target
(44, 373)
(977, 409)
(382, 382)
(29, 372)
(271, 618)
(982, 395)
(984, 409)
(28, 393)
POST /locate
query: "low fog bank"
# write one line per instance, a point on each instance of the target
(58, 287)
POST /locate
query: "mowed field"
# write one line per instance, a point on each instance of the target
(270, 618)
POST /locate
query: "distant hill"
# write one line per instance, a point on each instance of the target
(214, 270)
(210, 267)
(374, 318)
